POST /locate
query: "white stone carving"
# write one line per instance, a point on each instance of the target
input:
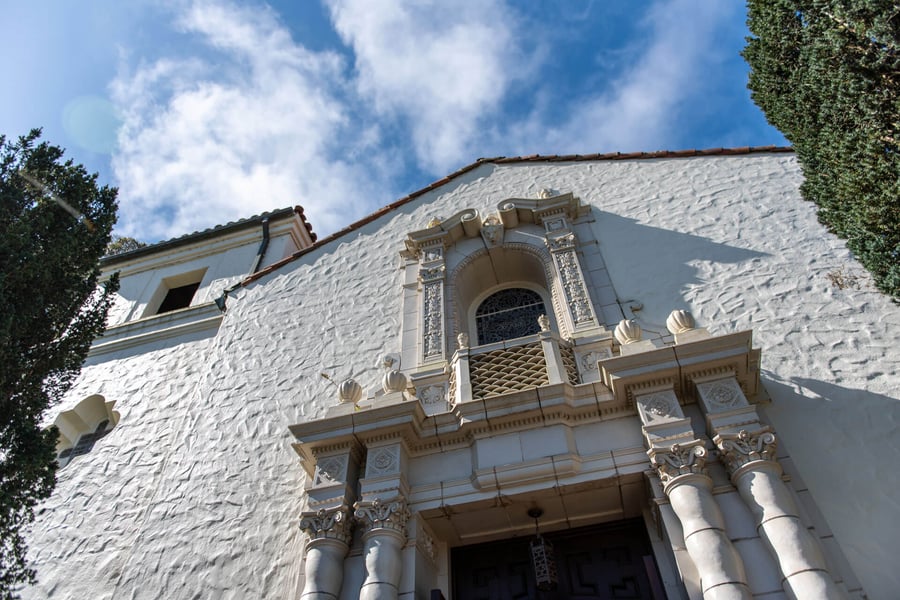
(433, 334)
(492, 231)
(628, 332)
(332, 523)
(350, 391)
(678, 460)
(393, 380)
(545, 193)
(330, 470)
(680, 321)
(544, 322)
(383, 515)
(425, 543)
(589, 360)
(382, 461)
(723, 394)
(433, 394)
(739, 449)
(462, 340)
(431, 253)
(563, 249)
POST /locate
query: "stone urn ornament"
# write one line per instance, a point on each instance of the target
(393, 380)
(628, 331)
(680, 321)
(350, 392)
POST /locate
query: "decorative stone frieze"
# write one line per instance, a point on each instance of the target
(334, 523)
(433, 320)
(377, 514)
(678, 460)
(738, 449)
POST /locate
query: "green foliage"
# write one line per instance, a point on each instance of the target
(55, 224)
(121, 244)
(827, 74)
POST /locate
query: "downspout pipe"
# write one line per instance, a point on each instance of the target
(260, 254)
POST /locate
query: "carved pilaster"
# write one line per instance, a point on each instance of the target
(324, 523)
(383, 515)
(739, 449)
(431, 276)
(561, 241)
(679, 460)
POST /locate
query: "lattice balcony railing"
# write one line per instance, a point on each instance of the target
(490, 371)
(508, 370)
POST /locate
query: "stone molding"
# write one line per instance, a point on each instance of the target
(378, 514)
(334, 523)
(738, 450)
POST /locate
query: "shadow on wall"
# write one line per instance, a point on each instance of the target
(653, 265)
(846, 444)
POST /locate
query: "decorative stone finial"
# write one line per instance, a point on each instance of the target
(680, 321)
(544, 322)
(434, 222)
(628, 331)
(545, 193)
(393, 380)
(462, 340)
(350, 391)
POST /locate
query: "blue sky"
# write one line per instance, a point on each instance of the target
(206, 111)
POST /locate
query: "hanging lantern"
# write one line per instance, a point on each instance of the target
(542, 557)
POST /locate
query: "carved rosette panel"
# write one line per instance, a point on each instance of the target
(739, 449)
(562, 247)
(658, 407)
(721, 395)
(678, 460)
(330, 470)
(383, 461)
(332, 524)
(383, 515)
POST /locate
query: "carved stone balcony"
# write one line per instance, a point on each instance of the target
(510, 366)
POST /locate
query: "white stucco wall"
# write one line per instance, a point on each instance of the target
(196, 493)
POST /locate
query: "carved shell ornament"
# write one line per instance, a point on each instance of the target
(628, 331)
(393, 380)
(350, 391)
(680, 321)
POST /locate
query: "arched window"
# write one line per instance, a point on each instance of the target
(509, 314)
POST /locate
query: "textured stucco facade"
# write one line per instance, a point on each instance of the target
(197, 493)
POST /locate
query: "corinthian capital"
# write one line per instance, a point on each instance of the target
(331, 523)
(383, 515)
(678, 460)
(745, 447)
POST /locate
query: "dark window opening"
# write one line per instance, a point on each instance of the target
(85, 442)
(178, 297)
(509, 314)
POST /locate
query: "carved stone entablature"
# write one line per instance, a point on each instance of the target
(721, 395)
(332, 524)
(331, 470)
(737, 450)
(443, 233)
(521, 210)
(384, 460)
(377, 514)
(679, 460)
(659, 407)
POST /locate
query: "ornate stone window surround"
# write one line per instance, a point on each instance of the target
(452, 266)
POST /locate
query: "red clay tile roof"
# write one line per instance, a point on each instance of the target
(508, 160)
(207, 233)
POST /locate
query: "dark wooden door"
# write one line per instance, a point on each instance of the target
(609, 562)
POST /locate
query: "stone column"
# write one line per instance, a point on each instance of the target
(328, 522)
(750, 459)
(329, 532)
(682, 471)
(384, 524)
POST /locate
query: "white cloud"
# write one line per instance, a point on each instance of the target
(257, 124)
(442, 68)
(639, 109)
